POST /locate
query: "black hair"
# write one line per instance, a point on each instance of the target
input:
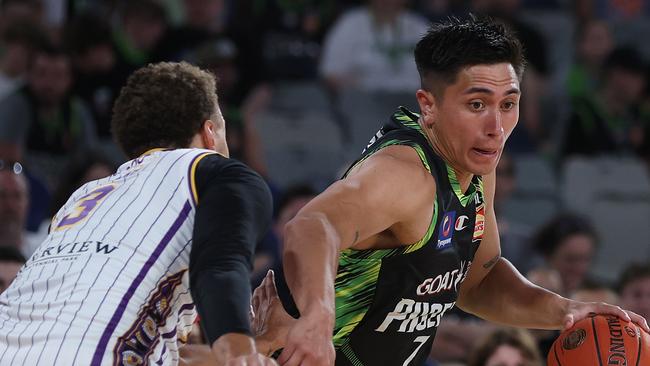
(163, 105)
(632, 273)
(86, 31)
(559, 228)
(24, 32)
(453, 44)
(625, 58)
(11, 254)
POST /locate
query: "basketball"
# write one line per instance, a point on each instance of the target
(601, 340)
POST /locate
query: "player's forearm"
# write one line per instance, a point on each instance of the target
(310, 259)
(505, 296)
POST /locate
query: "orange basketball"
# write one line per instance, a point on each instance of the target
(601, 340)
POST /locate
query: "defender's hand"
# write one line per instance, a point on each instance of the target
(270, 323)
(579, 310)
(309, 343)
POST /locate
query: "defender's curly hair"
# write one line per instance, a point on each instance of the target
(163, 105)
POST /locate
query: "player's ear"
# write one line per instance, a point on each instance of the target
(428, 106)
(207, 134)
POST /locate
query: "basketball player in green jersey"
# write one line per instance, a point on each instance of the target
(379, 257)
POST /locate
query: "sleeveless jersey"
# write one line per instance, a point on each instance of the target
(389, 302)
(110, 285)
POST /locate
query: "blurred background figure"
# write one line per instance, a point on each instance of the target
(18, 40)
(29, 11)
(506, 347)
(568, 244)
(594, 42)
(141, 26)
(371, 48)
(14, 203)
(610, 120)
(42, 120)
(97, 74)
(592, 291)
(634, 288)
(11, 260)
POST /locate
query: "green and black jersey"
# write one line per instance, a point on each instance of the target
(389, 302)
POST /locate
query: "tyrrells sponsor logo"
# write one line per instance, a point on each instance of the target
(444, 282)
(410, 316)
(616, 354)
(479, 223)
(72, 250)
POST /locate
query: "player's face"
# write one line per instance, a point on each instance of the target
(636, 297)
(572, 259)
(476, 115)
(506, 355)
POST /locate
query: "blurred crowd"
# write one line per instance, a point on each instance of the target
(304, 84)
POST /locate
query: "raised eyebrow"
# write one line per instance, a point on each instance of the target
(478, 89)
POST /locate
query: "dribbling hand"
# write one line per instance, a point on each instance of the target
(579, 310)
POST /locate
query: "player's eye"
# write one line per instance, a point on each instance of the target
(508, 105)
(476, 105)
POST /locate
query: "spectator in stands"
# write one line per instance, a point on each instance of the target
(98, 77)
(634, 289)
(594, 42)
(437, 10)
(43, 117)
(292, 36)
(506, 347)
(142, 24)
(10, 263)
(592, 291)
(568, 243)
(610, 121)
(18, 42)
(14, 201)
(220, 58)
(11, 11)
(371, 48)
(204, 22)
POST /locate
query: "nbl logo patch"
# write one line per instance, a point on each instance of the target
(446, 230)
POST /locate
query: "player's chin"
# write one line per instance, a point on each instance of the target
(483, 162)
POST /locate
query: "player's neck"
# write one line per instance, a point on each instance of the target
(443, 151)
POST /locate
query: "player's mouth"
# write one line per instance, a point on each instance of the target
(487, 153)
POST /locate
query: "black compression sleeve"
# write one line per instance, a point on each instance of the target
(232, 215)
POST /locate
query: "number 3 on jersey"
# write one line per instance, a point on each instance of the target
(84, 207)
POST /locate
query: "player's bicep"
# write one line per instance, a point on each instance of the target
(373, 199)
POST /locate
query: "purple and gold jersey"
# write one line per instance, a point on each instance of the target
(109, 285)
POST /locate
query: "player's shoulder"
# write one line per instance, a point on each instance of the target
(397, 165)
(215, 169)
